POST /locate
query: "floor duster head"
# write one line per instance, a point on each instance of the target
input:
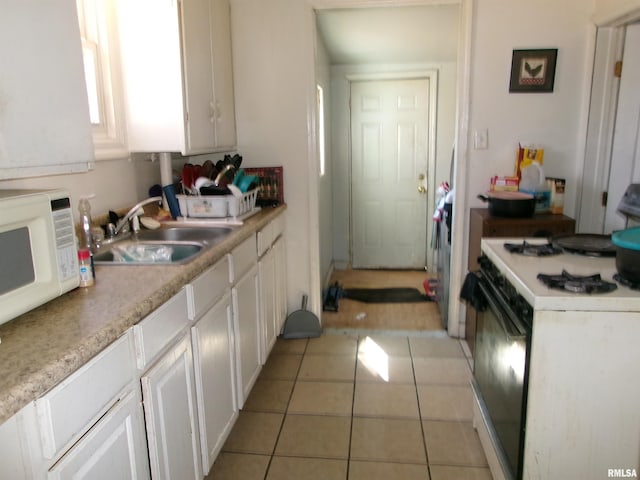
(302, 323)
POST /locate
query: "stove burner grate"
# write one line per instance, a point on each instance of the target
(533, 249)
(627, 283)
(577, 283)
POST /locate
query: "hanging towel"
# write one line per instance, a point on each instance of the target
(471, 293)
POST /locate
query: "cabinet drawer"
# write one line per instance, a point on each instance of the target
(208, 288)
(67, 411)
(243, 257)
(155, 332)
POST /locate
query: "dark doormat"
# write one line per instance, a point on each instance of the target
(385, 295)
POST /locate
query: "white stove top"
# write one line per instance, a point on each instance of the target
(522, 271)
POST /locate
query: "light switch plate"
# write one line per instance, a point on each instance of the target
(481, 139)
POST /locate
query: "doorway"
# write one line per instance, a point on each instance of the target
(390, 43)
(390, 145)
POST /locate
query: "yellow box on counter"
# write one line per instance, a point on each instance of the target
(525, 156)
(556, 186)
(504, 184)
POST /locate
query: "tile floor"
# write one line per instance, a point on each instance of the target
(357, 408)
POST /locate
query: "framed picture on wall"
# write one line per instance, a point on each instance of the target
(533, 71)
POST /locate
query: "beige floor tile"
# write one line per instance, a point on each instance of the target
(384, 369)
(453, 443)
(445, 402)
(435, 347)
(359, 470)
(333, 345)
(291, 345)
(291, 468)
(322, 398)
(328, 367)
(254, 432)
(319, 436)
(391, 346)
(281, 367)
(444, 472)
(386, 439)
(269, 396)
(447, 371)
(385, 400)
(229, 466)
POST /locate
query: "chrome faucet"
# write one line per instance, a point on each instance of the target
(133, 213)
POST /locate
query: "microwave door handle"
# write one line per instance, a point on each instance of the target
(506, 325)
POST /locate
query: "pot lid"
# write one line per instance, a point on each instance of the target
(586, 244)
(629, 238)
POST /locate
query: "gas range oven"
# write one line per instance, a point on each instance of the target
(529, 349)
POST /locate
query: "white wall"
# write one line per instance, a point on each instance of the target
(273, 50)
(554, 121)
(116, 184)
(325, 182)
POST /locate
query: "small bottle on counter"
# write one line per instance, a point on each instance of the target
(86, 268)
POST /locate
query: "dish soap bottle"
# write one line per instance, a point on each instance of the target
(85, 236)
(84, 210)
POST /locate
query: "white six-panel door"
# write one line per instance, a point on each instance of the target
(389, 135)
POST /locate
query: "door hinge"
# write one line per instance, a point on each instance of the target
(605, 196)
(617, 69)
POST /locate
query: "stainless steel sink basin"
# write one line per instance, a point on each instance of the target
(164, 246)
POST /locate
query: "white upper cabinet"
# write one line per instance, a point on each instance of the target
(178, 81)
(44, 114)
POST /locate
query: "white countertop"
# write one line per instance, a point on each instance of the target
(522, 271)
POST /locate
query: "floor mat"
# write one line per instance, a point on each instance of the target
(385, 295)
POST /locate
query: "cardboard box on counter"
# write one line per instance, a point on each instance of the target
(504, 184)
(525, 156)
(556, 186)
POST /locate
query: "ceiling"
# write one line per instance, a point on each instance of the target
(411, 34)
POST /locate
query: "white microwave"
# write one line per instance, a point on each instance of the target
(38, 252)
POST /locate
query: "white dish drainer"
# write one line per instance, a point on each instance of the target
(217, 206)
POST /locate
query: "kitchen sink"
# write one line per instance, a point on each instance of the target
(164, 246)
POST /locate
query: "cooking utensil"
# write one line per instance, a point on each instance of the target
(589, 244)
(627, 243)
(302, 323)
(510, 204)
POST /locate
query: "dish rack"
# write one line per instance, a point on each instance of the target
(217, 206)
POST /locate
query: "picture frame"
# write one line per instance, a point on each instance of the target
(533, 71)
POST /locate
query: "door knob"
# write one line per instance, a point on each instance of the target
(421, 189)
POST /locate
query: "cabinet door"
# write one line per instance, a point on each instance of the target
(198, 76)
(247, 332)
(224, 104)
(44, 116)
(267, 273)
(214, 362)
(114, 448)
(280, 282)
(170, 415)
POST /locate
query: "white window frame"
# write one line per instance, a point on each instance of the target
(98, 30)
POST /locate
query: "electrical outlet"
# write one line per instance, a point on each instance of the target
(481, 139)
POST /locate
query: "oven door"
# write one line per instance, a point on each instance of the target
(500, 378)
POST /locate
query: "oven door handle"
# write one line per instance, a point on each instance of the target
(512, 331)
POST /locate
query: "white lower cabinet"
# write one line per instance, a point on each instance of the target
(215, 378)
(246, 316)
(114, 448)
(247, 333)
(269, 321)
(170, 415)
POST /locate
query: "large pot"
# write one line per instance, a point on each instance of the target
(627, 244)
(510, 204)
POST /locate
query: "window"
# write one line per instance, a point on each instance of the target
(321, 137)
(97, 20)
